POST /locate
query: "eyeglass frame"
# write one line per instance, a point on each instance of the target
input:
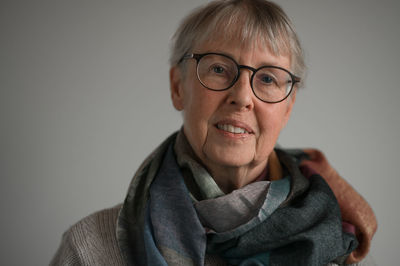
(198, 57)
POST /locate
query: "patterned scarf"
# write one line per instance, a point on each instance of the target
(291, 221)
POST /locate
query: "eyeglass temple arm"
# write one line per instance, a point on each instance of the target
(186, 56)
(296, 79)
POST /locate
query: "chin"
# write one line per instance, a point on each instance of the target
(229, 158)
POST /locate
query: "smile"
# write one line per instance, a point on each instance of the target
(232, 129)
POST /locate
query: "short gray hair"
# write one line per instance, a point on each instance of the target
(248, 21)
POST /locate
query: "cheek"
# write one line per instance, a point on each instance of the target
(269, 134)
(270, 126)
(199, 107)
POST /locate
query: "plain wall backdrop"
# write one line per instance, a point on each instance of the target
(84, 97)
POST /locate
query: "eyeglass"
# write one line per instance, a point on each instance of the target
(218, 72)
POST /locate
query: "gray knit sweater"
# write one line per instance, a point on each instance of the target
(93, 241)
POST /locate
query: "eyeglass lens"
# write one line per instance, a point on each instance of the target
(218, 72)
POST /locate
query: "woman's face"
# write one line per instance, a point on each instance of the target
(211, 118)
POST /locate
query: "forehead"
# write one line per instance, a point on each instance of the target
(255, 53)
(245, 31)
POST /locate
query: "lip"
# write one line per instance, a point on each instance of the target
(235, 123)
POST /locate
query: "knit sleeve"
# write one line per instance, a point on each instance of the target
(91, 241)
(67, 253)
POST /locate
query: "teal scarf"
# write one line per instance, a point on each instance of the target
(292, 221)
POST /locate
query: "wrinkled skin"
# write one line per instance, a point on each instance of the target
(233, 160)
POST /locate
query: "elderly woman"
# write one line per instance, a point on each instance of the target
(217, 192)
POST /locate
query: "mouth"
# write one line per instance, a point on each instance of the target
(234, 128)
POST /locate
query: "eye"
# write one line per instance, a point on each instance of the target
(218, 69)
(267, 79)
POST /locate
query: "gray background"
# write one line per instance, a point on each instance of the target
(84, 98)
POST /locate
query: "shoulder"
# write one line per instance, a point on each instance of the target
(98, 224)
(354, 208)
(91, 241)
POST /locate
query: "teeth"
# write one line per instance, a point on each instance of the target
(231, 129)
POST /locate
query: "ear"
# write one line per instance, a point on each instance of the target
(176, 87)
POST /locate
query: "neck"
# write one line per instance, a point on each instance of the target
(232, 178)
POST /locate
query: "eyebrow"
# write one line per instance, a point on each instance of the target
(263, 63)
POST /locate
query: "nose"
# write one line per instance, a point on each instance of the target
(241, 94)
